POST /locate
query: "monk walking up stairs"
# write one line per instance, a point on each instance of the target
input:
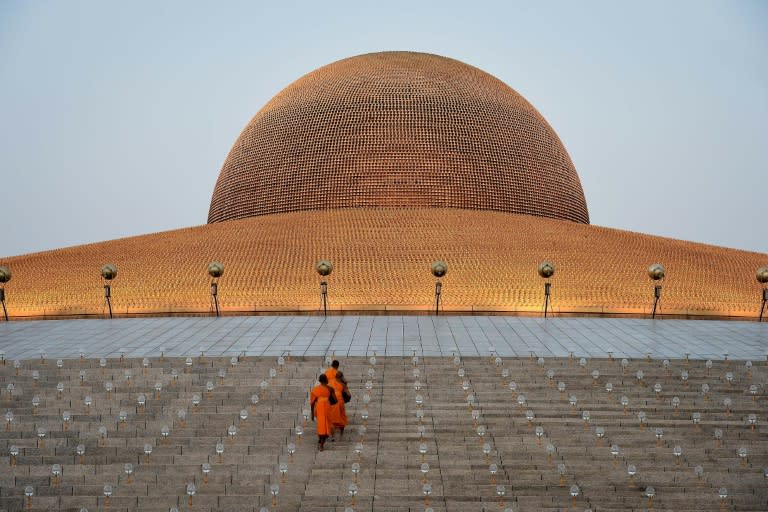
(330, 373)
(338, 413)
(321, 398)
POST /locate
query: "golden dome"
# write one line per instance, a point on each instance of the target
(398, 129)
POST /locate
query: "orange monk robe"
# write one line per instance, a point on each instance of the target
(318, 398)
(338, 412)
(331, 374)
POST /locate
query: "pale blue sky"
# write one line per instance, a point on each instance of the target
(115, 117)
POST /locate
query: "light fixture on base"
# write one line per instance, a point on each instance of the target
(546, 271)
(439, 269)
(5, 276)
(324, 268)
(108, 273)
(657, 273)
(215, 270)
(762, 278)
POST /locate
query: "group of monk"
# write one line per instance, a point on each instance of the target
(326, 401)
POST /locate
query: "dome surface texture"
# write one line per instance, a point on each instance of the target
(398, 129)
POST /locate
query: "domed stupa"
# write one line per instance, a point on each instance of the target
(382, 164)
(398, 129)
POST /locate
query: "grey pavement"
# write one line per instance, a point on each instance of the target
(467, 336)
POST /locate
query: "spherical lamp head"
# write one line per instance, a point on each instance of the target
(324, 267)
(439, 268)
(656, 271)
(109, 271)
(762, 275)
(5, 274)
(215, 269)
(546, 269)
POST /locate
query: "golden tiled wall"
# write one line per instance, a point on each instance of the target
(381, 259)
(398, 129)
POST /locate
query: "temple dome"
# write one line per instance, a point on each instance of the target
(395, 130)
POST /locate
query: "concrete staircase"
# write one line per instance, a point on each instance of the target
(534, 448)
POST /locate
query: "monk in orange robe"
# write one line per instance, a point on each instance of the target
(338, 413)
(331, 372)
(319, 401)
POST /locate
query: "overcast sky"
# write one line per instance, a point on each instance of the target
(115, 117)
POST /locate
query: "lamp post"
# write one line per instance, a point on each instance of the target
(215, 270)
(762, 278)
(5, 276)
(324, 268)
(439, 269)
(108, 273)
(657, 273)
(546, 271)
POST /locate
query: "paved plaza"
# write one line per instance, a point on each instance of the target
(467, 336)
